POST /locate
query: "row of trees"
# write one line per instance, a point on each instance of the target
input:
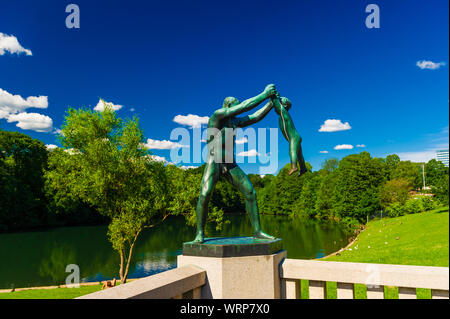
(103, 174)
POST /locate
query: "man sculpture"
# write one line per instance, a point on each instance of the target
(221, 157)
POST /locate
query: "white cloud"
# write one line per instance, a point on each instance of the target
(334, 126)
(51, 147)
(162, 145)
(242, 140)
(249, 153)
(420, 156)
(9, 43)
(323, 152)
(191, 120)
(32, 121)
(343, 147)
(430, 65)
(187, 167)
(12, 104)
(361, 145)
(100, 107)
(158, 158)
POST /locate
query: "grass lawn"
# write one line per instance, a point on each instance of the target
(55, 293)
(418, 239)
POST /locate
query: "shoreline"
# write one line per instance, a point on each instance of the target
(91, 283)
(344, 248)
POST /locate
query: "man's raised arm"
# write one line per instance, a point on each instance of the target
(247, 105)
(255, 117)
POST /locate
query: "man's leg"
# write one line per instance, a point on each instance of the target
(239, 179)
(209, 179)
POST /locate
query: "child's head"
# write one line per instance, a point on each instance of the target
(286, 103)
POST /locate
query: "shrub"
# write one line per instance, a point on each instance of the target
(413, 206)
(395, 210)
(428, 203)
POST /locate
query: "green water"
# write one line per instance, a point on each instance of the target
(40, 258)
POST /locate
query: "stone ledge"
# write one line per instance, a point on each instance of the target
(232, 247)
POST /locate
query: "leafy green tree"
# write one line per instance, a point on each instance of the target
(185, 189)
(358, 178)
(412, 172)
(391, 162)
(105, 164)
(22, 163)
(434, 172)
(325, 194)
(441, 189)
(306, 204)
(395, 190)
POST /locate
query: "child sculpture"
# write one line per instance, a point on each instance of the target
(282, 106)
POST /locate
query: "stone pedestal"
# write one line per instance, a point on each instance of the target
(231, 272)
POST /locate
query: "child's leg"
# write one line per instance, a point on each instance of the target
(301, 160)
(293, 154)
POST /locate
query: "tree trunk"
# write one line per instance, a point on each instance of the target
(130, 253)
(122, 278)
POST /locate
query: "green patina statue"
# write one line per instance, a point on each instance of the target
(221, 157)
(282, 106)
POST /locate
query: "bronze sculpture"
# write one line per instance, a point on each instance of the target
(221, 157)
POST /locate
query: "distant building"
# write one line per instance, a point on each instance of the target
(442, 156)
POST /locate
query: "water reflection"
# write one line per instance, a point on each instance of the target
(40, 258)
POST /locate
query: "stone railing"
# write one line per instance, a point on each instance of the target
(192, 282)
(183, 282)
(373, 276)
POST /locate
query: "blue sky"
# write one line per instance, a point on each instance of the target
(160, 59)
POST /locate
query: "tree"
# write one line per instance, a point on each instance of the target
(105, 164)
(358, 178)
(325, 193)
(22, 163)
(391, 162)
(306, 204)
(185, 190)
(394, 191)
(434, 172)
(409, 171)
(441, 189)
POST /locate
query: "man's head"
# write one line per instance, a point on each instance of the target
(230, 101)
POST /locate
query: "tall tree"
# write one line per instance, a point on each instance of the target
(357, 181)
(105, 164)
(22, 163)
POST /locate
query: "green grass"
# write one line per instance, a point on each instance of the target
(419, 239)
(54, 293)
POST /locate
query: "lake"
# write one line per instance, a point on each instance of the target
(39, 258)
